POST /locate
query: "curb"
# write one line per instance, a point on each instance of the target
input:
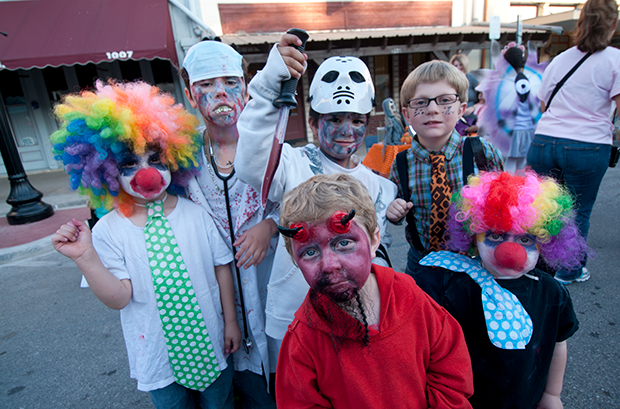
(35, 248)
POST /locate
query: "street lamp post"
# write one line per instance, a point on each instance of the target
(25, 201)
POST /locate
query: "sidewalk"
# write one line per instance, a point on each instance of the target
(26, 240)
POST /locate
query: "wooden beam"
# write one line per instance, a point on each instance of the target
(319, 55)
(384, 43)
(441, 55)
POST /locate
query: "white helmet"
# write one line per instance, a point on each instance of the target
(342, 84)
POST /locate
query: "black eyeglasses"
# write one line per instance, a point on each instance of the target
(445, 99)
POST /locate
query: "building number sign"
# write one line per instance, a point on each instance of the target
(115, 55)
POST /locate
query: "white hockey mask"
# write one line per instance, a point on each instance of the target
(342, 84)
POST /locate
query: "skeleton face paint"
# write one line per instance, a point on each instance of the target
(507, 255)
(341, 134)
(144, 176)
(220, 100)
(334, 264)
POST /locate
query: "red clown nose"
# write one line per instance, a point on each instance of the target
(511, 255)
(148, 179)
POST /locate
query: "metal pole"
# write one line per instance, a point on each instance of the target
(25, 201)
(519, 33)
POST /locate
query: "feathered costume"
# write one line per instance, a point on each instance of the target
(501, 202)
(502, 100)
(100, 129)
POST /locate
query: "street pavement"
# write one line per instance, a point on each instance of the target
(61, 348)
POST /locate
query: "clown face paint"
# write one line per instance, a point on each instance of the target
(220, 100)
(334, 264)
(507, 255)
(341, 134)
(144, 176)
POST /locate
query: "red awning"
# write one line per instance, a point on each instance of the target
(65, 32)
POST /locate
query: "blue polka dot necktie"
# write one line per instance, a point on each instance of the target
(190, 349)
(509, 325)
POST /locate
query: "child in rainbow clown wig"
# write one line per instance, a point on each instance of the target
(516, 319)
(129, 148)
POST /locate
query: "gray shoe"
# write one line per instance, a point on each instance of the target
(584, 276)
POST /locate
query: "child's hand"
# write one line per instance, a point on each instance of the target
(398, 209)
(255, 243)
(232, 337)
(294, 60)
(548, 401)
(73, 239)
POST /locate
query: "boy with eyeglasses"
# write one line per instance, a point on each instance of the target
(433, 98)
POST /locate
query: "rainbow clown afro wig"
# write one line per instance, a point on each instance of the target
(501, 203)
(101, 129)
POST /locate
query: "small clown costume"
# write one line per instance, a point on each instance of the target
(125, 145)
(512, 314)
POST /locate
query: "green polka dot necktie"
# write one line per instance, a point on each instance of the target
(190, 349)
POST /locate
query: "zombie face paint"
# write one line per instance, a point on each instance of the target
(334, 264)
(220, 100)
(507, 255)
(144, 176)
(434, 123)
(341, 134)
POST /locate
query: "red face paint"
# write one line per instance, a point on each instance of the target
(334, 264)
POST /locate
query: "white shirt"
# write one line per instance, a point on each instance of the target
(582, 109)
(120, 245)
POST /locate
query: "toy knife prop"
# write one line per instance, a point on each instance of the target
(285, 102)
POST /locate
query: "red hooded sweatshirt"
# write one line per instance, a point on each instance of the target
(416, 359)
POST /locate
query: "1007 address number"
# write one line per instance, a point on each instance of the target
(120, 54)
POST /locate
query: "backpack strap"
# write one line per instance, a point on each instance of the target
(473, 151)
(403, 176)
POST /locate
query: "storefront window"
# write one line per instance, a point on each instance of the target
(130, 70)
(56, 83)
(162, 73)
(86, 74)
(17, 110)
(383, 83)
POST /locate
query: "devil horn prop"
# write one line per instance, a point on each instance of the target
(346, 219)
(289, 232)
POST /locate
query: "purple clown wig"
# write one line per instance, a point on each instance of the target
(100, 129)
(501, 202)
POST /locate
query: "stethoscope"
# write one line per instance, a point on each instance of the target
(247, 342)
